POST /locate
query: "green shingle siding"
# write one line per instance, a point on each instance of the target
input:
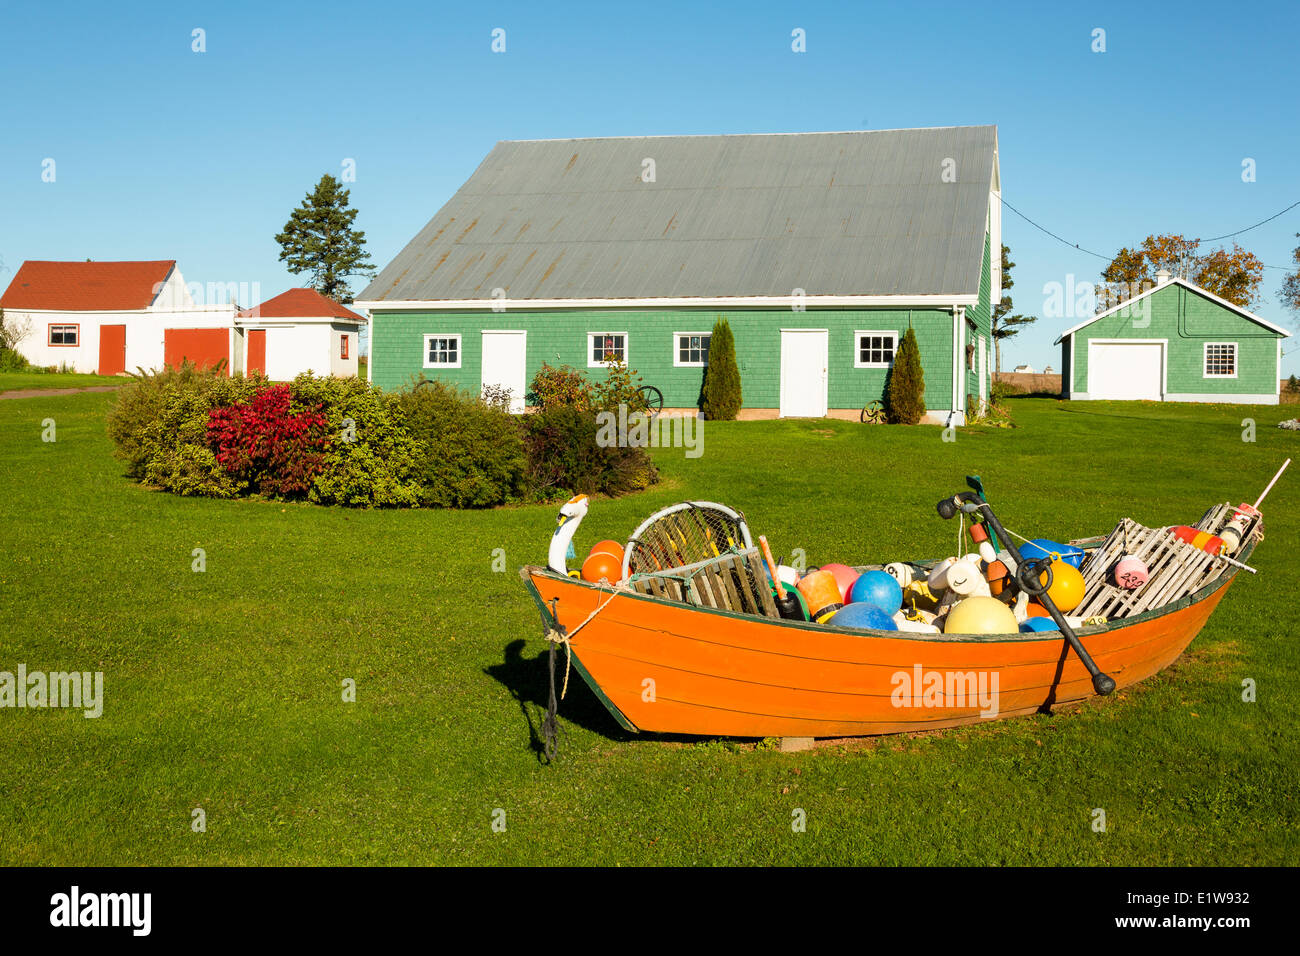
(1187, 320)
(560, 338)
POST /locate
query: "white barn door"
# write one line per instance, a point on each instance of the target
(804, 354)
(505, 363)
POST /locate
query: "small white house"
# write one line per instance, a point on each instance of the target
(299, 331)
(110, 317)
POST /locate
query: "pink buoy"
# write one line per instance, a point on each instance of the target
(844, 577)
(1130, 572)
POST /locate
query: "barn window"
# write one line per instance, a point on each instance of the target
(605, 347)
(64, 334)
(875, 349)
(442, 351)
(343, 346)
(692, 348)
(1220, 359)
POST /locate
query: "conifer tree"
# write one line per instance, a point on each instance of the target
(905, 399)
(319, 238)
(722, 396)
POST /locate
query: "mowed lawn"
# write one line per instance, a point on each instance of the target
(223, 688)
(22, 381)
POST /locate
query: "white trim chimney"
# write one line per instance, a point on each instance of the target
(1162, 277)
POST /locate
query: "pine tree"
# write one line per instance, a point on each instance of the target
(1004, 325)
(905, 399)
(319, 238)
(722, 397)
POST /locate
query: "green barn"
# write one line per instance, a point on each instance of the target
(1176, 342)
(820, 249)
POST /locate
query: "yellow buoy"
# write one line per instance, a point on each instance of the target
(1067, 587)
(980, 615)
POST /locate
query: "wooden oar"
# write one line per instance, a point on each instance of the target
(1027, 577)
(787, 605)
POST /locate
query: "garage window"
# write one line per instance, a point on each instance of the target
(875, 349)
(343, 346)
(442, 351)
(64, 334)
(1220, 359)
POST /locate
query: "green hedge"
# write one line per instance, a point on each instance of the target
(429, 446)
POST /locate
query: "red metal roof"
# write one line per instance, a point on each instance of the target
(86, 286)
(300, 304)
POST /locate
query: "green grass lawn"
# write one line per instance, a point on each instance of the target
(17, 381)
(223, 688)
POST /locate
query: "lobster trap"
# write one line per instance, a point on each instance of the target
(699, 553)
(1175, 568)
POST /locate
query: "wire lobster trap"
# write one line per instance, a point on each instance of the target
(700, 553)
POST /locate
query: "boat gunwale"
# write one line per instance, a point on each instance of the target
(1202, 593)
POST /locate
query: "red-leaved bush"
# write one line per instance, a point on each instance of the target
(261, 442)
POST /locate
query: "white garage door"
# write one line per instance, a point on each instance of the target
(1126, 370)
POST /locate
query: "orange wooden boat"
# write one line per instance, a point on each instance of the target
(669, 667)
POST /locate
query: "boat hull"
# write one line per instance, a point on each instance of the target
(671, 668)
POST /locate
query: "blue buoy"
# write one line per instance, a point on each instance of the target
(1045, 547)
(861, 614)
(1035, 624)
(879, 588)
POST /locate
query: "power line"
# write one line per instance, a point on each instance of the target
(1079, 248)
(1248, 228)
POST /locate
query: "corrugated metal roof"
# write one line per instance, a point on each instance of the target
(855, 213)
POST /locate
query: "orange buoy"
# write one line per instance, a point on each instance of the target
(998, 577)
(608, 546)
(601, 565)
(1033, 609)
(1197, 538)
(822, 593)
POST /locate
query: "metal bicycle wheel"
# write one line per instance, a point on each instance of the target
(654, 399)
(873, 413)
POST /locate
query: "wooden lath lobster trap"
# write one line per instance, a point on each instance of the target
(1176, 568)
(699, 553)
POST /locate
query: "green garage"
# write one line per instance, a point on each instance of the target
(1176, 342)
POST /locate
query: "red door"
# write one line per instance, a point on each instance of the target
(112, 349)
(203, 347)
(257, 350)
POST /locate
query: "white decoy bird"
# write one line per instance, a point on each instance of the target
(571, 514)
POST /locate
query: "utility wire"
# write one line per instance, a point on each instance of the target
(1076, 246)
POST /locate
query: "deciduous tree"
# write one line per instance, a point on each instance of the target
(1235, 274)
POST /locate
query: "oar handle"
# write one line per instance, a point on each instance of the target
(771, 566)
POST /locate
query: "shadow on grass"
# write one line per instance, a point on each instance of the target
(528, 682)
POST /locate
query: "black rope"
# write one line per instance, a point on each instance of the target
(550, 727)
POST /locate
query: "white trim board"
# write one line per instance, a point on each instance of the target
(783, 302)
(1228, 398)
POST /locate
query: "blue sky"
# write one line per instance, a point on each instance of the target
(162, 152)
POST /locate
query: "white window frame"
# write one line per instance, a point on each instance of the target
(460, 349)
(1205, 360)
(591, 336)
(677, 349)
(857, 347)
(64, 326)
